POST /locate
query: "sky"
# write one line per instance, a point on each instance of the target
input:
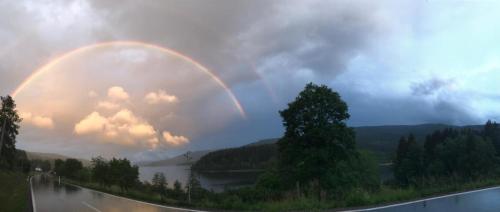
(152, 79)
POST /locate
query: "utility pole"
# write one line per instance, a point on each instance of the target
(188, 157)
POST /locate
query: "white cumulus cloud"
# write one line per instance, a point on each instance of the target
(93, 123)
(174, 140)
(117, 93)
(124, 128)
(160, 97)
(107, 105)
(38, 121)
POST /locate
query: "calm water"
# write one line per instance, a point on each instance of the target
(211, 181)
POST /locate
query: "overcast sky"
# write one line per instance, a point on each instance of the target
(393, 62)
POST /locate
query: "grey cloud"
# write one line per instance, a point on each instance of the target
(430, 87)
(236, 37)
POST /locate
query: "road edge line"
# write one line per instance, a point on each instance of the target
(33, 204)
(163, 206)
(423, 200)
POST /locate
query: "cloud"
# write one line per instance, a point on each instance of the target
(430, 87)
(174, 140)
(124, 116)
(38, 121)
(117, 93)
(142, 130)
(93, 123)
(123, 128)
(92, 94)
(107, 105)
(160, 97)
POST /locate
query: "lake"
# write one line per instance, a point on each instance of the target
(216, 181)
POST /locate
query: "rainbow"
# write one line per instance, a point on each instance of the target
(48, 66)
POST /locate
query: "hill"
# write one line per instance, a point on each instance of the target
(381, 140)
(241, 158)
(264, 141)
(177, 160)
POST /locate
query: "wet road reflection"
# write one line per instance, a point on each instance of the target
(482, 200)
(50, 196)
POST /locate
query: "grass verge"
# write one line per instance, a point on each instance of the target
(13, 191)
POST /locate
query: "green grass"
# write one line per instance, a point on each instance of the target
(13, 191)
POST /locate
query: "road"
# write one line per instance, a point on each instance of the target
(50, 196)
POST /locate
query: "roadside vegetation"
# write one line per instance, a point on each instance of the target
(14, 165)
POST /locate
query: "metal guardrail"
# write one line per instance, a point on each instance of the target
(31, 197)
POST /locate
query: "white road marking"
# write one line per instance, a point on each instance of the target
(163, 206)
(90, 206)
(32, 195)
(423, 200)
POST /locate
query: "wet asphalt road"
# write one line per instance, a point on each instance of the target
(50, 196)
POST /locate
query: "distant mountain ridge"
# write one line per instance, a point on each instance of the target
(381, 140)
(177, 160)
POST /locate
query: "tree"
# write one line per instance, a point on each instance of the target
(177, 192)
(122, 173)
(100, 171)
(59, 167)
(9, 120)
(492, 131)
(160, 184)
(316, 138)
(72, 167)
(408, 164)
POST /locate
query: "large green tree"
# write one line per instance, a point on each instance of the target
(9, 126)
(317, 141)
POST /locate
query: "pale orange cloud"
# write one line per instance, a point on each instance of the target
(92, 94)
(142, 130)
(160, 97)
(107, 105)
(124, 128)
(38, 121)
(93, 123)
(174, 140)
(117, 93)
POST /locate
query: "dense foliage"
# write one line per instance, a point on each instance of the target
(449, 154)
(71, 168)
(318, 151)
(114, 172)
(247, 157)
(9, 126)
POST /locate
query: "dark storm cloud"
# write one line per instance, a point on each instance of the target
(236, 37)
(430, 86)
(376, 110)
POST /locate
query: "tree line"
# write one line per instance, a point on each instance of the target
(450, 154)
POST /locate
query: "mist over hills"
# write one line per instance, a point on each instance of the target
(52, 157)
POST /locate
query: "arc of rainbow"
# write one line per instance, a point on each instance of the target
(45, 68)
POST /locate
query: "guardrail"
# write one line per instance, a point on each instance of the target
(31, 197)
